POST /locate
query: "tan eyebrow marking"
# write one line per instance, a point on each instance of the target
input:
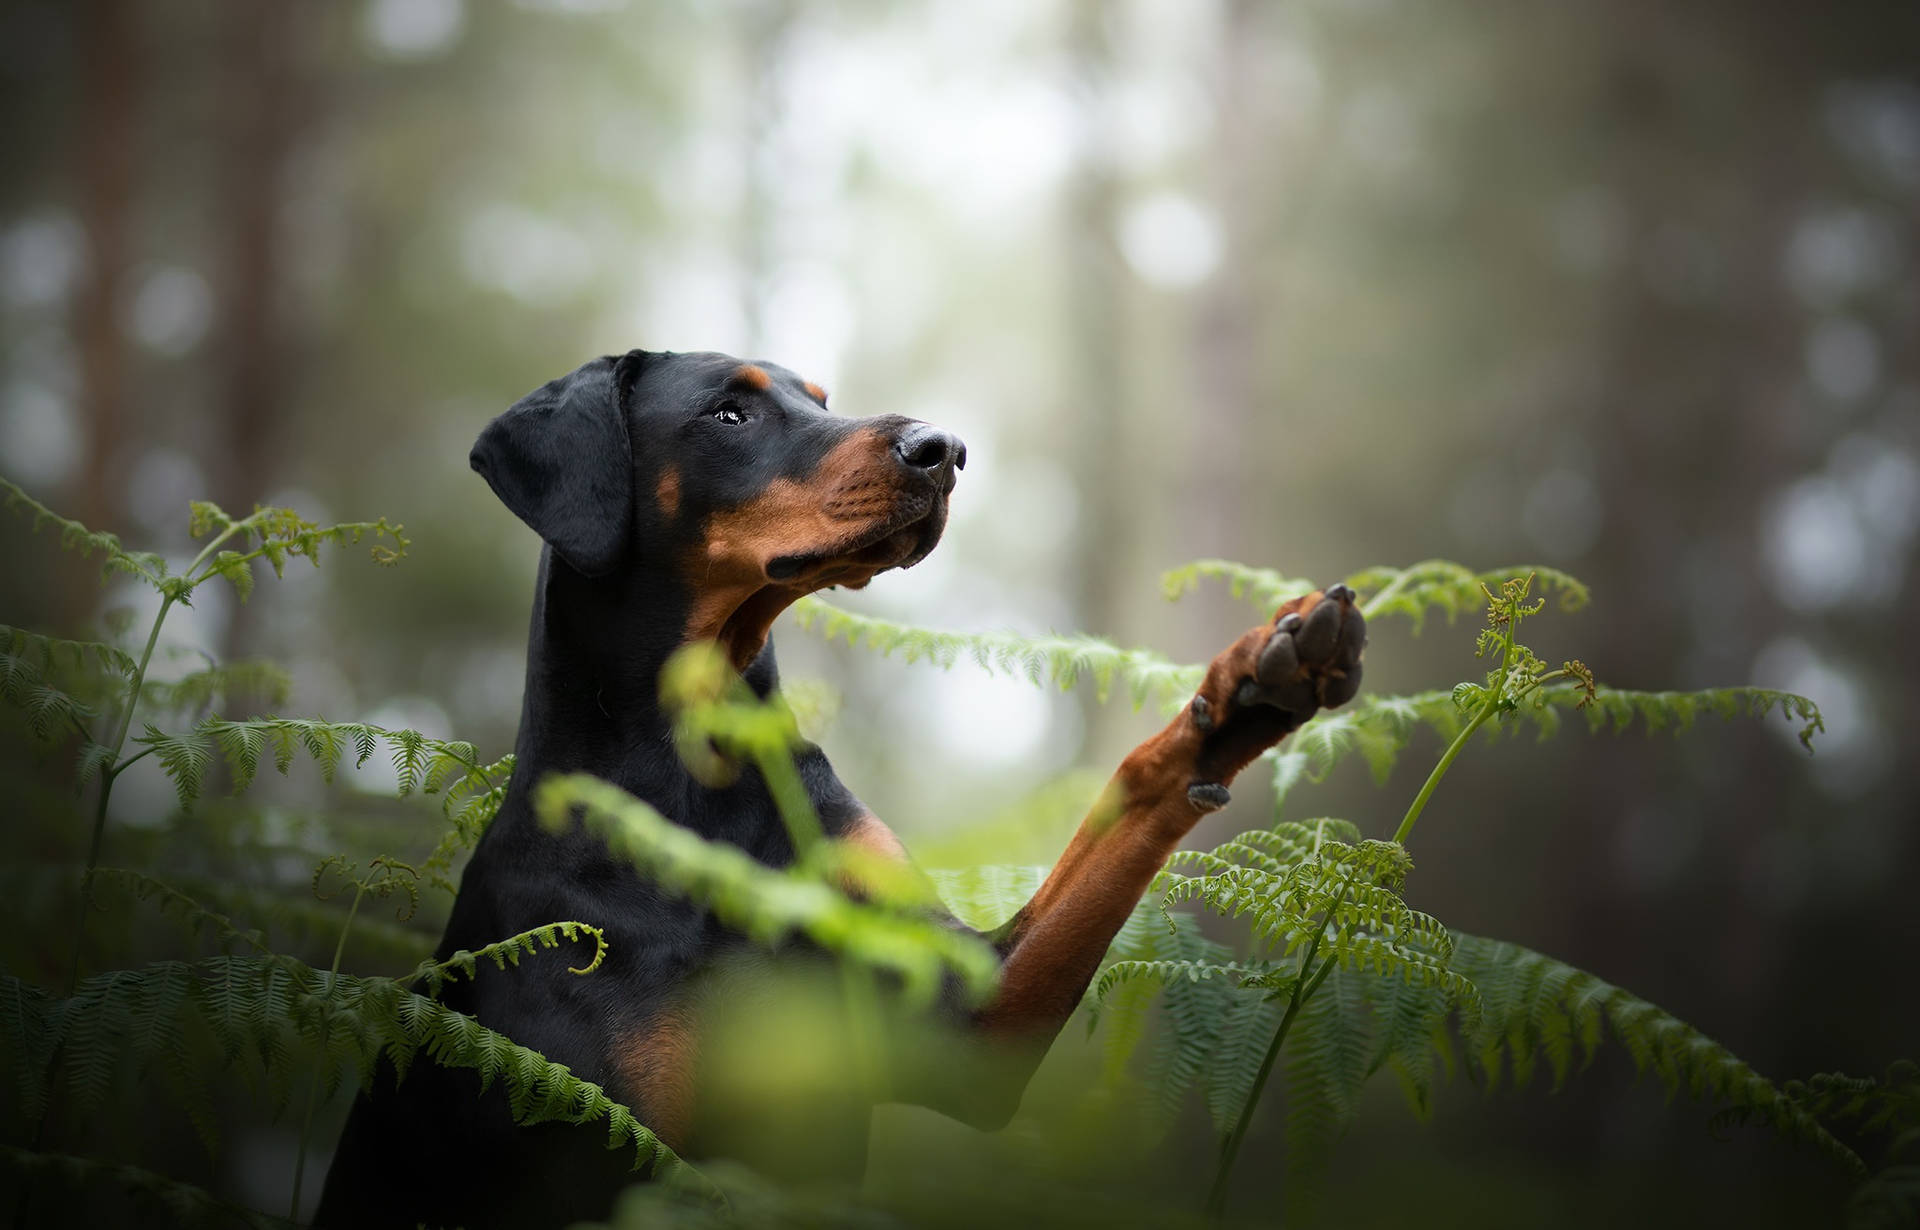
(757, 377)
(816, 392)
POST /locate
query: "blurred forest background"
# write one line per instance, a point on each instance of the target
(1623, 287)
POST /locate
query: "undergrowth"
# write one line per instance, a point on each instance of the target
(1335, 977)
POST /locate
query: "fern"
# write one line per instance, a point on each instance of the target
(129, 1019)
(49, 710)
(264, 682)
(424, 764)
(503, 953)
(1534, 1006)
(1055, 660)
(1412, 591)
(766, 904)
(50, 652)
(1329, 1056)
(77, 538)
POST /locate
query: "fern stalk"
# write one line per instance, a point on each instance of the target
(113, 766)
(1306, 986)
(1230, 1148)
(313, 1085)
(1303, 988)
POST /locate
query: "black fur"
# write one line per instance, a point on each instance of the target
(578, 461)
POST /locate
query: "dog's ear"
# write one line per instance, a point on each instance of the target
(560, 459)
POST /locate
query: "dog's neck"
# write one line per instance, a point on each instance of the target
(594, 657)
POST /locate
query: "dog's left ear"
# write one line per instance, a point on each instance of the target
(560, 459)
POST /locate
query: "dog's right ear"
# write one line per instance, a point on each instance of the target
(561, 460)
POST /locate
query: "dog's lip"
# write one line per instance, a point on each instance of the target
(925, 525)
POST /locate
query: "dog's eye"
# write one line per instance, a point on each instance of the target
(727, 412)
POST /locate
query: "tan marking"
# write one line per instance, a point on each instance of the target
(655, 1064)
(668, 492)
(869, 833)
(878, 865)
(853, 490)
(816, 392)
(749, 374)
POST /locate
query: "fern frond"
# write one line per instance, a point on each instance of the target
(280, 534)
(1659, 710)
(1381, 727)
(766, 904)
(262, 681)
(257, 1003)
(436, 974)
(1192, 1011)
(1533, 1004)
(1328, 1059)
(1412, 591)
(77, 538)
(1452, 588)
(470, 803)
(1121, 972)
(448, 764)
(1053, 659)
(1263, 587)
(252, 911)
(52, 652)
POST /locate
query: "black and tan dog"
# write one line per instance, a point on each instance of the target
(685, 497)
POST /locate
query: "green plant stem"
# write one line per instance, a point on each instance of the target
(313, 1086)
(1303, 989)
(1440, 770)
(114, 765)
(108, 773)
(1487, 710)
(1230, 1148)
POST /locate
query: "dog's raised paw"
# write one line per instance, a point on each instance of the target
(1313, 662)
(1274, 678)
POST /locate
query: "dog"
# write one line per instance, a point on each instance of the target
(687, 497)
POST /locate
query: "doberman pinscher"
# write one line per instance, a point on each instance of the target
(690, 497)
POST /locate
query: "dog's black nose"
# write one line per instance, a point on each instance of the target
(925, 447)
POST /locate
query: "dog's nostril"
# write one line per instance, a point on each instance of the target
(926, 447)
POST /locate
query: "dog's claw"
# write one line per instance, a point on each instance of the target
(1208, 796)
(1202, 714)
(1290, 622)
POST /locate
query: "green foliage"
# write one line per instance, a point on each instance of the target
(280, 534)
(77, 538)
(1413, 591)
(1535, 1007)
(261, 682)
(472, 790)
(1317, 883)
(1333, 977)
(1049, 660)
(765, 903)
(260, 1008)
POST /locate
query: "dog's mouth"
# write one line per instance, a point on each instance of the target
(901, 541)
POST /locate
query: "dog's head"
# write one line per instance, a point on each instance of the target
(731, 474)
